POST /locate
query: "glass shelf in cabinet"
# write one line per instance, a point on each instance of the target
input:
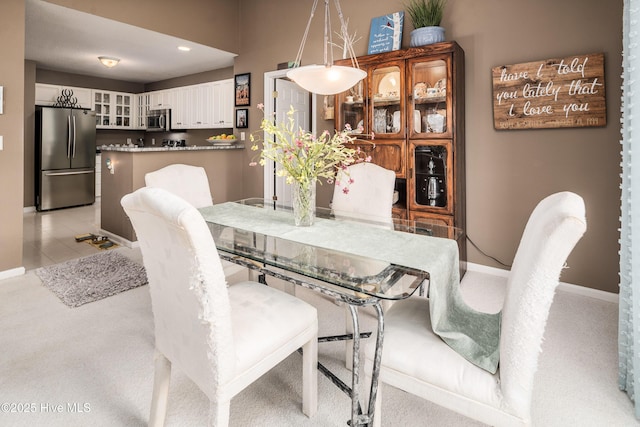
(430, 100)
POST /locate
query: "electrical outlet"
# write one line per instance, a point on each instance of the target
(1, 142)
(241, 136)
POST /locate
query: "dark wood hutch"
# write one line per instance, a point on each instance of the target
(412, 101)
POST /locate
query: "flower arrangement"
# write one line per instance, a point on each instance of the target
(303, 156)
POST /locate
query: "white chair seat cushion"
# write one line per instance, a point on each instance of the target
(420, 356)
(259, 327)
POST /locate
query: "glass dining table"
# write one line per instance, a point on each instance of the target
(356, 261)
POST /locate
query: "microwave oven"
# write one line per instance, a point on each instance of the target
(159, 120)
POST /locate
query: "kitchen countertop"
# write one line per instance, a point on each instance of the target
(136, 149)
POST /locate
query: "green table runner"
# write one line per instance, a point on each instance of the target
(473, 334)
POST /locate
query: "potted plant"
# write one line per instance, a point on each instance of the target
(426, 16)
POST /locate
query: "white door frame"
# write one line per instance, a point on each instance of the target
(270, 78)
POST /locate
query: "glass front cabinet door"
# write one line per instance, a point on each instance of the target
(114, 110)
(387, 100)
(351, 108)
(429, 98)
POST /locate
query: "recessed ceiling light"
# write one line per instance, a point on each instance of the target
(184, 48)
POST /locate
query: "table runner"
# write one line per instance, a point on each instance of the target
(473, 334)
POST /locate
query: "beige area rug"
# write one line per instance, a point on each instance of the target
(84, 280)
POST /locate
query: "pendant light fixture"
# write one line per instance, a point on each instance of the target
(327, 79)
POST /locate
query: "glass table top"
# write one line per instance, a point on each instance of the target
(347, 256)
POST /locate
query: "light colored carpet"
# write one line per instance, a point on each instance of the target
(100, 357)
(92, 278)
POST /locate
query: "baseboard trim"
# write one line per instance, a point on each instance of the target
(565, 287)
(14, 272)
(119, 239)
(479, 268)
(28, 209)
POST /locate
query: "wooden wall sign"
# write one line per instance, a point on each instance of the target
(552, 93)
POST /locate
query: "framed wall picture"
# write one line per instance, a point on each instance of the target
(242, 86)
(242, 118)
(386, 33)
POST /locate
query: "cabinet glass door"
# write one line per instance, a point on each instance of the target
(351, 108)
(101, 108)
(123, 110)
(431, 181)
(429, 108)
(387, 89)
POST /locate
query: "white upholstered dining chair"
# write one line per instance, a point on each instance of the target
(186, 181)
(369, 197)
(415, 360)
(222, 338)
(192, 184)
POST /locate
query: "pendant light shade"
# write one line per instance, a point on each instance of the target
(327, 79)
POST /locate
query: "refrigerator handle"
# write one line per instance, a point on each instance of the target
(68, 137)
(74, 137)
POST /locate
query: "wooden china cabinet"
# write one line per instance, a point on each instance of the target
(412, 100)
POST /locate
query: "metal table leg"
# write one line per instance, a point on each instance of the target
(365, 419)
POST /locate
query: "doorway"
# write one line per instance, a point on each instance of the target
(279, 95)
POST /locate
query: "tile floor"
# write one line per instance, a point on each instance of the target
(49, 237)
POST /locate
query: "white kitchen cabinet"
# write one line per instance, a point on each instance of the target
(180, 108)
(142, 106)
(50, 94)
(223, 104)
(160, 99)
(202, 106)
(191, 107)
(114, 110)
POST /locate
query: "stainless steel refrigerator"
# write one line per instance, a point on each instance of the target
(65, 157)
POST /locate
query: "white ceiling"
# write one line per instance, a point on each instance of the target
(63, 39)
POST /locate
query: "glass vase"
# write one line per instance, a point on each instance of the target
(304, 203)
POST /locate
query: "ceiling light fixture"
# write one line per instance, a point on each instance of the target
(184, 48)
(108, 61)
(327, 79)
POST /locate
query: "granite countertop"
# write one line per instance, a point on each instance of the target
(136, 149)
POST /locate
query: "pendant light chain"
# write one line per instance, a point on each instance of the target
(345, 36)
(328, 59)
(304, 36)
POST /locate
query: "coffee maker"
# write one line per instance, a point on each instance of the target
(431, 175)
